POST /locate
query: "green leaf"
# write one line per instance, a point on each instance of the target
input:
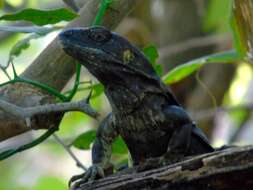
(97, 90)
(20, 46)
(186, 69)
(152, 54)
(41, 17)
(84, 140)
(158, 69)
(119, 146)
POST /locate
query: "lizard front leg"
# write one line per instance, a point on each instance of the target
(101, 153)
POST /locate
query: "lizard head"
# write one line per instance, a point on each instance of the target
(105, 54)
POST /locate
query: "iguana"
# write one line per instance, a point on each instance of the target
(145, 113)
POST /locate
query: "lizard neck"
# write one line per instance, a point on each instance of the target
(125, 97)
(123, 100)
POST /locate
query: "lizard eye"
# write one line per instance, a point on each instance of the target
(128, 56)
(99, 34)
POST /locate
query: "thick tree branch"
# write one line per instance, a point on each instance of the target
(222, 170)
(27, 113)
(54, 68)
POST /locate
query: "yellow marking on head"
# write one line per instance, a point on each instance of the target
(127, 56)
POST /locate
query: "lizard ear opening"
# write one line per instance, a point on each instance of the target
(128, 56)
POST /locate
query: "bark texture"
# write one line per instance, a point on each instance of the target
(222, 170)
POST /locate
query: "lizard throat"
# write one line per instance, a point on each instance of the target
(123, 100)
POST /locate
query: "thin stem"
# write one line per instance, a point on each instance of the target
(77, 82)
(72, 155)
(8, 82)
(80, 89)
(104, 5)
(10, 152)
(6, 73)
(13, 70)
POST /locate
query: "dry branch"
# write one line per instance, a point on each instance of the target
(197, 42)
(222, 170)
(54, 68)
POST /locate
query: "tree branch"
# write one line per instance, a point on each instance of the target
(209, 113)
(197, 42)
(72, 4)
(221, 170)
(28, 113)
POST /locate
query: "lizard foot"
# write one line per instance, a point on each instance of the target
(94, 172)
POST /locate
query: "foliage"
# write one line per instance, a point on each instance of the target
(84, 141)
(152, 54)
(217, 12)
(186, 69)
(41, 17)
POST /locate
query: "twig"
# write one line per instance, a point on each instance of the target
(72, 4)
(193, 43)
(208, 113)
(3, 68)
(78, 163)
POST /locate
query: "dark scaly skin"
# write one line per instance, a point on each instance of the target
(144, 111)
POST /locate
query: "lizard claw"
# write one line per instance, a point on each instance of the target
(74, 178)
(94, 172)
